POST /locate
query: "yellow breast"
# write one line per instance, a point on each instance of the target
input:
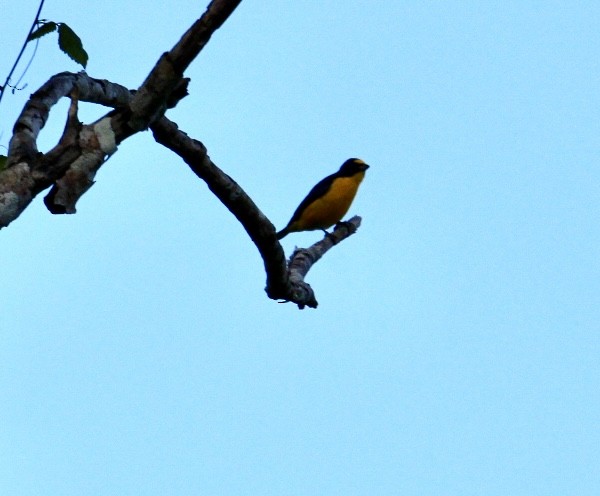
(331, 207)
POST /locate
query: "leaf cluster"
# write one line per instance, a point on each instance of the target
(68, 41)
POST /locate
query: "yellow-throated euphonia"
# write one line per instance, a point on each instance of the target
(329, 200)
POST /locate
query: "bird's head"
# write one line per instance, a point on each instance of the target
(352, 166)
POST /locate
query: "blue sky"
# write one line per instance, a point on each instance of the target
(455, 350)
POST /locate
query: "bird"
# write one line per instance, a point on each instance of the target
(328, 201)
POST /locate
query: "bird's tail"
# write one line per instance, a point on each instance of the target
(284, 232)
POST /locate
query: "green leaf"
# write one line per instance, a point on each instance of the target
(44, 29)
(70, 43)
(2, 162)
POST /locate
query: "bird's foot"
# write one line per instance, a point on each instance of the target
(346, 224)
(330, 236)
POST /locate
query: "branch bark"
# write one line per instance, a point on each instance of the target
(28, 172)
(149, 102)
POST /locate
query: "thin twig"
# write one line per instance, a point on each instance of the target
(35, 22)
(15, 86)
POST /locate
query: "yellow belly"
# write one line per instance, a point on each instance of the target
(331, 207)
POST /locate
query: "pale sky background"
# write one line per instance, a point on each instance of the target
(456, 347)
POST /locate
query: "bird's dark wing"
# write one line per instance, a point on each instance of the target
(318, 191)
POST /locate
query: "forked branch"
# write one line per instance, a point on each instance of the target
(69, 168)
(283, 282)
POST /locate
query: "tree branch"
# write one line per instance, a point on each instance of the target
(28, 172)
(282, 283)
(149, 102)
